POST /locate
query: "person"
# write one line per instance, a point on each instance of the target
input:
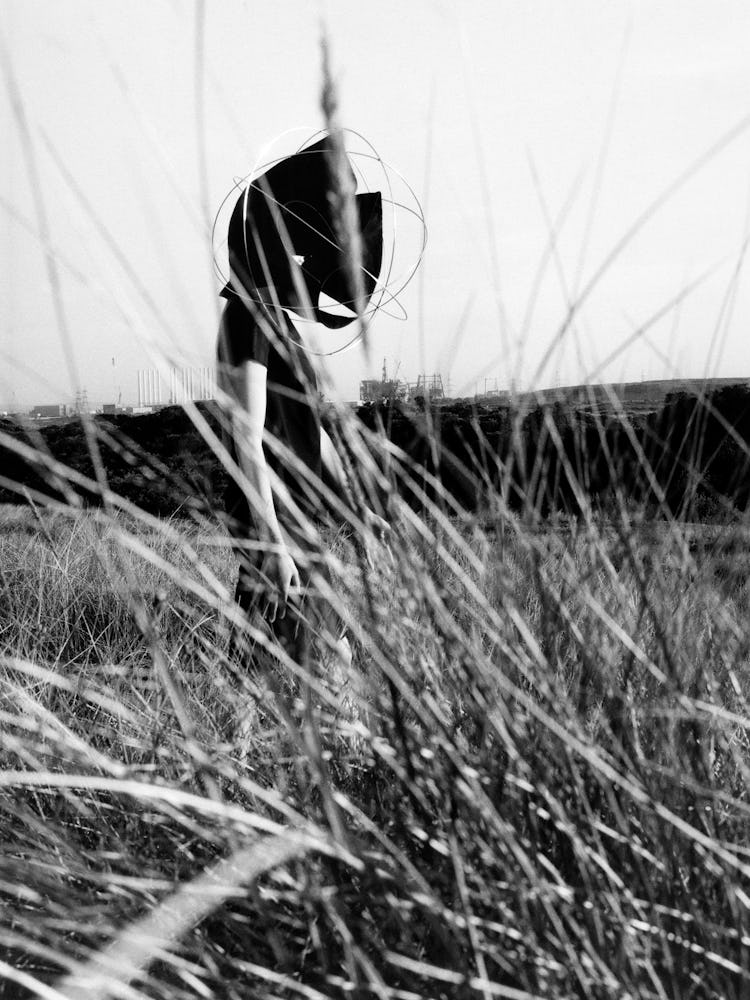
(285, 263)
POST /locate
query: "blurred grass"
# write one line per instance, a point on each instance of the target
(534, 778)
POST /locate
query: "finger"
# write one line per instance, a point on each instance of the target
(291, 593)
(294, 596)
(270, 612)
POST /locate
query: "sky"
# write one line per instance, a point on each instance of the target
(579, 153)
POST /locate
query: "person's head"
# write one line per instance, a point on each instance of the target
(284, 238)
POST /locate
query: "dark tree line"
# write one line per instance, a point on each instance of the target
(690, 459)
(157, 461)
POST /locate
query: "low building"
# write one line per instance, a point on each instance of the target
(48, 411)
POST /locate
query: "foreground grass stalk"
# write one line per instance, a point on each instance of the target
(128, 956)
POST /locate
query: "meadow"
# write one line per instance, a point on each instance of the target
(532, 781)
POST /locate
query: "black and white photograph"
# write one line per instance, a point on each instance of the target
(375, 500)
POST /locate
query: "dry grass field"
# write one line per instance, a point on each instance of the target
(532, 781)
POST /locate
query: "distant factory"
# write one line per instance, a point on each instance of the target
(50, 411)
(54, 411)
(156, 388)
(180, 386)
(385, 388)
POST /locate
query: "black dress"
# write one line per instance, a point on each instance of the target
(291, 445)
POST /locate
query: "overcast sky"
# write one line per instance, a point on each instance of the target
(535, 135)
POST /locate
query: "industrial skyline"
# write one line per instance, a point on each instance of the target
(152, 387)
(180, 385)
(157, 387)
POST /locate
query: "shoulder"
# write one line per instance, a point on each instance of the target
(241, 337)
(236, 315)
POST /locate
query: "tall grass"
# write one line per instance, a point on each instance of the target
(534, 778)
(530, 782)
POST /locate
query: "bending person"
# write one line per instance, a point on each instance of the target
(284, 256)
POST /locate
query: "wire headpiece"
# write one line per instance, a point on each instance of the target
(284, 246)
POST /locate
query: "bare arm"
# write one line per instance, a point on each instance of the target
(248, 421)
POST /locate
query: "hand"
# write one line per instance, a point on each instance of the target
(283, 583)
(380, 528)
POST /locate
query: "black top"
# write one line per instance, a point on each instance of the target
(292, 420)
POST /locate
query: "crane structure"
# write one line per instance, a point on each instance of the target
(427, 387)
(375, 390)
